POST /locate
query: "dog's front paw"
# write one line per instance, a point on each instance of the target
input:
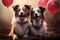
(15, 37)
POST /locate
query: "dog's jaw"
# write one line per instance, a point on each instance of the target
(19, 19)
(37, 23)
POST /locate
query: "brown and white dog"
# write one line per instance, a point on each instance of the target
(21, 20)
(38, 24)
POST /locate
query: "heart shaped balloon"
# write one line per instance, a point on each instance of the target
(7, 3)
(42, 3)
(53, 6)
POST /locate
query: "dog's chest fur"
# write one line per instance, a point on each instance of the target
(42, 31)
(36, 23)
(20, 29)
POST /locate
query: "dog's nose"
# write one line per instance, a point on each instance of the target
(36, 14)
(21, 13)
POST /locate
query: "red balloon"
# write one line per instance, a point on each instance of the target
(7, 3)
(53, 6)
(42, 3)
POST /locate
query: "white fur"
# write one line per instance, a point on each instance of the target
(42, 31)
(20, 29)
(35, 9)
(37, 23)
(21, 10)
(36, 13)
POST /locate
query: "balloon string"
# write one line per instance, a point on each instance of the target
(9, 14)
(9, 17)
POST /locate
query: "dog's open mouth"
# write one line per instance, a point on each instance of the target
(21, 18)
(23, 15)
(36, 17)
(21, 22)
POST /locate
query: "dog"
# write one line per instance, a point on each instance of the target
(38, 27)
(21, 20)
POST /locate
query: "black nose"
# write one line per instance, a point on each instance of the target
(36, 14)
(21, 13)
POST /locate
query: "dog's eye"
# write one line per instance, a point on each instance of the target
(39, 11)
(18, 10)
(25, 10)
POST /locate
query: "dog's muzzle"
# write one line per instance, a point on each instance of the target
(36, 15)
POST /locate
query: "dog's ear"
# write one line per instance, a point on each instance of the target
(28, 7)
(15, 7)
(42, 9)
(31, 12)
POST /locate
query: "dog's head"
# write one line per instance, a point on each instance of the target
(37, 14)
(22, 12)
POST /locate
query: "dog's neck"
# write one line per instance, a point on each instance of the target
(37, 27)
(37, 24)
(22, 21)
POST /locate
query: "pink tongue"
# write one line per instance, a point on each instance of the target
(21, 23)
(53, 6)
(22, 20)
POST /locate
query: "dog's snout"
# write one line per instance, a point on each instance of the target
(36, 14)
(21, 13)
